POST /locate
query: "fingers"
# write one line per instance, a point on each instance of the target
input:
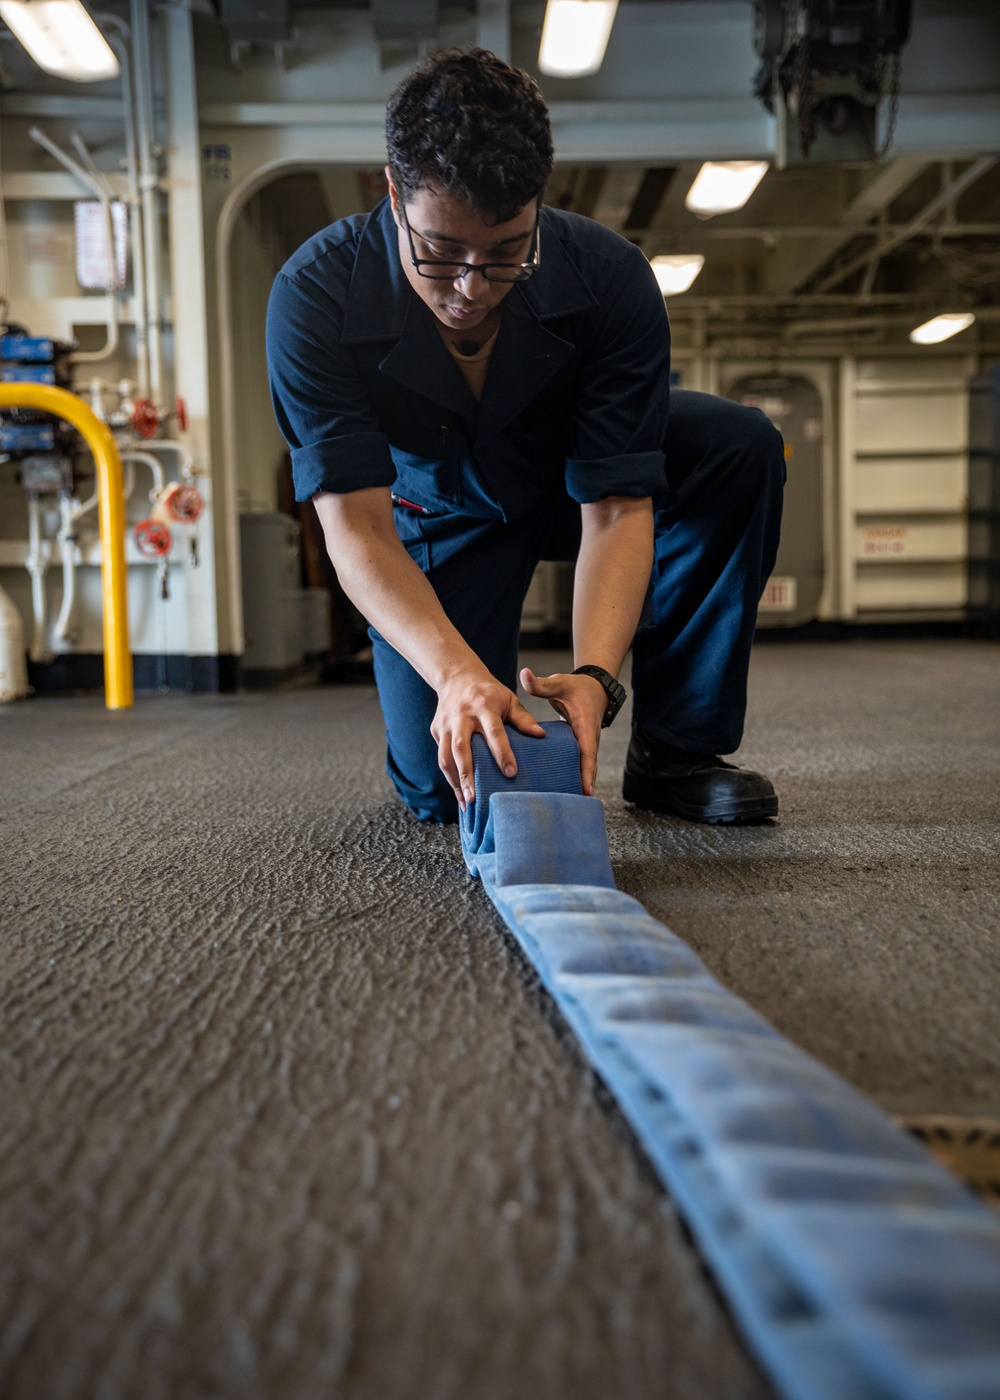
(450, 768)
(588, 764)
(523, 720)
(473, 704)
(535, 685)
(461, 752)
(499, 746)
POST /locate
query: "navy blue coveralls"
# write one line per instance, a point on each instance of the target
(575, 409)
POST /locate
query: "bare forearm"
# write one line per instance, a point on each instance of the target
(382, 580)
(385, 585)
(612, 576)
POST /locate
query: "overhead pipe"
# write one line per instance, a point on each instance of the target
(118, 691)
(121, 43)
(100, 189)
(106, 195)
(148, 188)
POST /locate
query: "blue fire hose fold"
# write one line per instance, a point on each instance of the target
(857, 1268)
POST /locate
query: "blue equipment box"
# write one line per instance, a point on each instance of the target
(28, 349)
(27, 374)
(27, 437)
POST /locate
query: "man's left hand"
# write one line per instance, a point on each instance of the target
(583, 702)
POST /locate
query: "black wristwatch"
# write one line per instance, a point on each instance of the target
(616, 691)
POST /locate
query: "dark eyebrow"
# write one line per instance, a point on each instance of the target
(456, 243)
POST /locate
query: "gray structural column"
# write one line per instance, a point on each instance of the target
(215, 608)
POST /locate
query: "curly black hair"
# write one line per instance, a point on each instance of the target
(467, 123)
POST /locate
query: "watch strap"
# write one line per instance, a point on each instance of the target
(614, 689)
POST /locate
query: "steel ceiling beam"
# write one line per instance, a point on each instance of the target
(889, 182)
(930, 211)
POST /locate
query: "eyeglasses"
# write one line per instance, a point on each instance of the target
(493, 272)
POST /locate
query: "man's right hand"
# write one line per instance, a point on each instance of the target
(470, 702)
(382, 581)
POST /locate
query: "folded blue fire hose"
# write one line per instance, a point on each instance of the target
(857, 1268)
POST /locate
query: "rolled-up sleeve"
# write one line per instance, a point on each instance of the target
(320, 400)
(622, 397)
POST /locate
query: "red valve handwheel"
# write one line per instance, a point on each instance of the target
(180, 408)
(145, 419)
(153, 538)
(183, 502)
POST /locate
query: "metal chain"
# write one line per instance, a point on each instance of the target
(803, 86)
(893, 64)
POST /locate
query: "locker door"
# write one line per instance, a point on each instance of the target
(795, 408)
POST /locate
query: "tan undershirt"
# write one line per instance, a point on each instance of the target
(474, 367)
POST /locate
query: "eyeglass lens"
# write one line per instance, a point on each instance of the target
(449, 272)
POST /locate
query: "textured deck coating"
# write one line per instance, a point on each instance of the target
(282, 1115)
(865, 922)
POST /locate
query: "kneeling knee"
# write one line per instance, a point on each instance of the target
(763, 452)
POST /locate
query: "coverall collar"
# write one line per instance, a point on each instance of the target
(382, 306)
(379, 296)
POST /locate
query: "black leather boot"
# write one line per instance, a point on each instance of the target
(699, 787)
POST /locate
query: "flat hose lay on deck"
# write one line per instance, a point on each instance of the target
(857, 1267)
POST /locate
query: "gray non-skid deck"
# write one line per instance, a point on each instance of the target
(283, 1115)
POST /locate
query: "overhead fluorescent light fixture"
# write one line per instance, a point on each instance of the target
(723, 185)
(61, 37)
(942, 328)
(674, 272)
(574, 36)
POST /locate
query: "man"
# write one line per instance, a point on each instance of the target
(470, 382)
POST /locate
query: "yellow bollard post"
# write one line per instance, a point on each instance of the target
(111, 508)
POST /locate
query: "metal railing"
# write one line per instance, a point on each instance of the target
(111, 514)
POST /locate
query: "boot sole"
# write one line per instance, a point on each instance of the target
(649, 793)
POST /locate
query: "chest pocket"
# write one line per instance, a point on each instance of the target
(428, 468)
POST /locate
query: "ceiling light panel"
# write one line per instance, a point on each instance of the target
(61, 37)
(721, 186)
(574, 36)
(942, 328)
(674, 272)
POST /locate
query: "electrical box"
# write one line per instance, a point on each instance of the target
(32, 359)
(272, 608)
(46, 475)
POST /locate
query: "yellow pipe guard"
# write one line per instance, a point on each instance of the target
(111, 507)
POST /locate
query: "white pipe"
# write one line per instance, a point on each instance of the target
(105, 195)
(88, 505)
(98, 188)
(186, 467)
(65, 631)
(146, 459)
(121, 45)
(83, 151)
(36, 564)
(148, 189)
(13, 671)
